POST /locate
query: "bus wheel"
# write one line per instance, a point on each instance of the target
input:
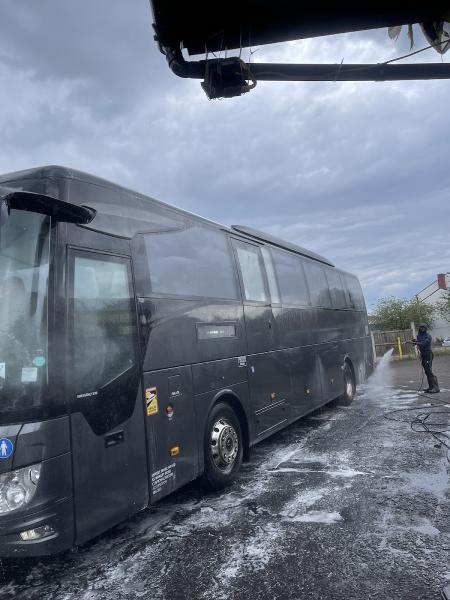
(349, 384)
(223, 447)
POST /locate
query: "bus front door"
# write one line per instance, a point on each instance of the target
(105, 395)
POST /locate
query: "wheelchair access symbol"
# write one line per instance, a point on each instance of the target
(6, 448)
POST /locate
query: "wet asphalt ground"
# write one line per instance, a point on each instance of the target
(344, 504)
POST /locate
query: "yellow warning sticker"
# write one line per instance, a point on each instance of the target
(151, 401)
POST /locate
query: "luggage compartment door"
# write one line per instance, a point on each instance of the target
(171, 429)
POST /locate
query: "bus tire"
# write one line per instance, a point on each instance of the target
(349, 384)
(223, 447)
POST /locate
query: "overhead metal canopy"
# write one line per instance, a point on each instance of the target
(205, 26)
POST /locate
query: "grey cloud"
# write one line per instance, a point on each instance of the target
(107, 44)
(357, 172)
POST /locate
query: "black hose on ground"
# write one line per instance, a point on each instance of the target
(421, 422)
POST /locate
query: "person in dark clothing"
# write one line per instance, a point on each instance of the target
(423, 343)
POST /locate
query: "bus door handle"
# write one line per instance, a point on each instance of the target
(112, 439)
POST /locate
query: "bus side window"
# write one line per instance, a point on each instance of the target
(318, 285)
(271, 276)
(252, 272)
(291, 278)
(337, 289)
(103, 322)
(194, 261)
(355, 294)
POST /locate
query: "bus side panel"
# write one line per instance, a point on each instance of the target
(298, 333)
(174, 330)
(356, 343)
(171, 430)
(270, 390)
(368, 357)
(330, 364)
(178, 331)
(359, 351)
(306, 382)
(330, 330)
(293, 327)
(218, 374)
(269, 373)
(110, 473)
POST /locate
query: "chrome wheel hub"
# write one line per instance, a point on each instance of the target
(224, 445)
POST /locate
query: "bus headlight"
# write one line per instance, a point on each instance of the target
(17, 488)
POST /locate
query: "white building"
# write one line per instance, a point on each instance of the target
(432, 294)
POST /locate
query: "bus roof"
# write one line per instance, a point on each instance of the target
(123, 212)
(271, 239)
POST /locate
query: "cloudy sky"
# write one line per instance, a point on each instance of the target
(359, 172)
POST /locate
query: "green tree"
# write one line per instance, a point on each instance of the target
(443, 306)
(397, 313)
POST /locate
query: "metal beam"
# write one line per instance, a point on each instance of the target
(230, 77)
(349, 72)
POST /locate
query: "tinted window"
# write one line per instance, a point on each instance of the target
(104, 325)
(123, 213)
(24, 272)
(355, 295)
(195, 261)
(252, 273)
(291, 278)
(337, 291)
(271, 277)
(317, 284)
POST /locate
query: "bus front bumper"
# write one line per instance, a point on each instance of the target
(45, 525)
(45, 532)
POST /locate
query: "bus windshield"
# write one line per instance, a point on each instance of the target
(24, 267)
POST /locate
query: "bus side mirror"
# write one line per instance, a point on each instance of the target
(46, 205)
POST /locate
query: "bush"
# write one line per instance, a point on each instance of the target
(397, 313)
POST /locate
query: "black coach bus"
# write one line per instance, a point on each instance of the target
(142, 346)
